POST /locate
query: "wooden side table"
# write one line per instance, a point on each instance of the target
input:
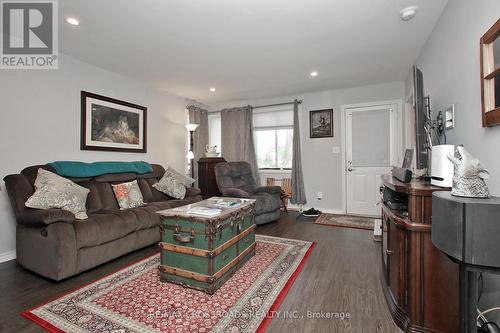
(206, 176)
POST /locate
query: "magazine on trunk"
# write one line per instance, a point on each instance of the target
(227, 203)
(204, 211)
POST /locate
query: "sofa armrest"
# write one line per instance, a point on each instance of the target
(42, 217)
(268, 189)
(192, 192)
(235, 192)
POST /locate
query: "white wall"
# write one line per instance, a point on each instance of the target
(323, 169)
(450, 64)
(40, 123)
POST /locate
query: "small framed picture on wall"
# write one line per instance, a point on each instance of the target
(321, 123)
(112, 125)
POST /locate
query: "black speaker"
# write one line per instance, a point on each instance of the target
(467, 229)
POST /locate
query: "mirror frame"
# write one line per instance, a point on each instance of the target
(491, 117)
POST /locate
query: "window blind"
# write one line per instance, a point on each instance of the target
(273, 117)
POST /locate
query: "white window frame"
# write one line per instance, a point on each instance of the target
(275, 128)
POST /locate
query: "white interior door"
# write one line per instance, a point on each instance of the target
(372, 140)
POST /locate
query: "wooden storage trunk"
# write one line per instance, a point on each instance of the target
(203, 252)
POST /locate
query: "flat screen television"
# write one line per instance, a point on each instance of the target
(422, 155)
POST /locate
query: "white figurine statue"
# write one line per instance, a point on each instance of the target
(211, 151)
(469, 177)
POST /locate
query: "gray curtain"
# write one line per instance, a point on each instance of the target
(198, 116)
(237, 137)
(298, 192)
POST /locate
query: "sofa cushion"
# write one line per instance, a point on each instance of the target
(192, 191)
(31, 172)
(94, 202)
(53, 191)
(104, 227)
(128, 195)
(162, 205)
(115, 177)
(146, 216)
(146, 189)
(157, 173)
(106, 196)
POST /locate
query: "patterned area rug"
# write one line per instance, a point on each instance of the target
(346, 221)
(134, 300)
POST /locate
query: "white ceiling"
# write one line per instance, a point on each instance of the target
(248, 48)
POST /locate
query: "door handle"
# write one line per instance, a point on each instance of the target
(350, 169)
(389, 252)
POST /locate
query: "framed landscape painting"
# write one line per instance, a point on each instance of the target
(321, 123)
(112, 125)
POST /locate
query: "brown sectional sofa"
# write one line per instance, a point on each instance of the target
(54, 244)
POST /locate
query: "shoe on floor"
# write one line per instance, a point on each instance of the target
(311, 212)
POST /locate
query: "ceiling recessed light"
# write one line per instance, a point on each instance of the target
(408, 13)
(72, 21)
(212, 89)
(314, 73)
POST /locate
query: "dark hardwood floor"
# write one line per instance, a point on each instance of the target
(341, 275)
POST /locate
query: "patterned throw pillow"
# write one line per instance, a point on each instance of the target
(54, 191)
(174, 184)
(128, 195)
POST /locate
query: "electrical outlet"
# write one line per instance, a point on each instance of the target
(320, 195)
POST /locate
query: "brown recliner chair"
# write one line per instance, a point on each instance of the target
(235, 179)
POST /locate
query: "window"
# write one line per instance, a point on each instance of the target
(273, 137)
(273, 148)
(214, 130)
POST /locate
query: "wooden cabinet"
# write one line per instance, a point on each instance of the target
(206, 176)
(421, 284)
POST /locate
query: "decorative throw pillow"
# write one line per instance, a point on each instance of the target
(180, 178)
(128, 195)
(174, 184)
(54, 191)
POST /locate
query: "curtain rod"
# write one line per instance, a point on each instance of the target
(268, 105)
(277, 104)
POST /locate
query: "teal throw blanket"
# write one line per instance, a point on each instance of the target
(82, 170)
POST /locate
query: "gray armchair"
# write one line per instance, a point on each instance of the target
(235, 179)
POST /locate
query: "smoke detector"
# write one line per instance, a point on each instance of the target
(408, 13)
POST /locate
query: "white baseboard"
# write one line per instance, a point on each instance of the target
(329, 211)
(6, 256)
(323, 210)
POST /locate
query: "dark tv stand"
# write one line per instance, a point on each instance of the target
(421, 284)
